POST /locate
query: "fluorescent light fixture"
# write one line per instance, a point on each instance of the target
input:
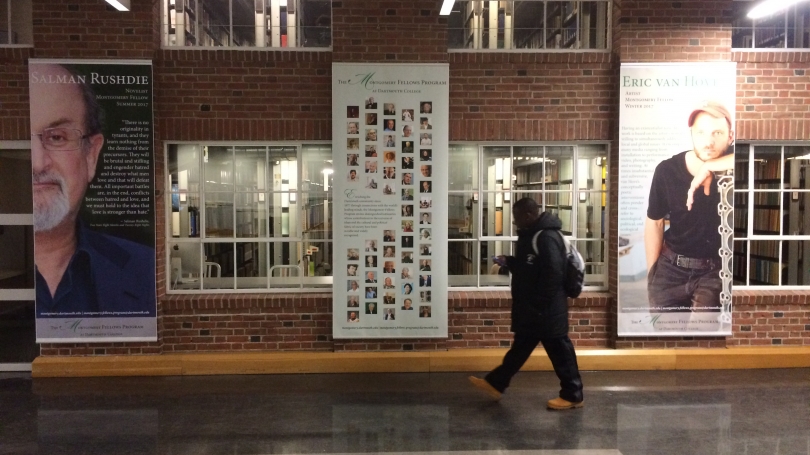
(447, 6)
(768, 7)
(120, 5)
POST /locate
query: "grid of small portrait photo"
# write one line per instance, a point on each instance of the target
(389, 150)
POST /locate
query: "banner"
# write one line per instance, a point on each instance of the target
(94, 211)
(389, 130)
(676, 158)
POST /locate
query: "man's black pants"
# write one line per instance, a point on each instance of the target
(561, 353)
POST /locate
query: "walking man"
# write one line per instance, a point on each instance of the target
(539, 306)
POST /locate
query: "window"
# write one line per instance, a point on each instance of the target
(248, 23)
(249, 217)
(530, 25)
(771, 215)
(568, 180)
(16, 23)
(787, 29)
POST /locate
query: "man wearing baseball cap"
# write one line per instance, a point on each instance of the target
(683, 263)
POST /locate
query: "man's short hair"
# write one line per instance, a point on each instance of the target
(527, 205)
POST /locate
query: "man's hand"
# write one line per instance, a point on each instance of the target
(703, 178)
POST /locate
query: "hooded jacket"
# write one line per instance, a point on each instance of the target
(539, 302)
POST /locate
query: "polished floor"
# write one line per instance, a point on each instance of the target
(729, 412)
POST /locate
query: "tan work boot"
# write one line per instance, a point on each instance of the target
(482, 384)
(560, 404)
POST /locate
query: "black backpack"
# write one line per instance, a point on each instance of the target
(574, 277)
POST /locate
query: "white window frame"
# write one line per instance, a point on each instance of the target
(510, 238)
(305, 284)
(749, 147)
(510, 31)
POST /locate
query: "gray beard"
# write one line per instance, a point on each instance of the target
(49, 214)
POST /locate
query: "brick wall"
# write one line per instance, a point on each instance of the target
(524, 96)
(388, 31)
(773, 95)
(91, 29)
(248, 95)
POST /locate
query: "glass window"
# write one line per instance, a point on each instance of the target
(259, 23)
(568, 180)
(771, 220)
(788, 28)
(532, 24)
(265, 221)
(16, 22)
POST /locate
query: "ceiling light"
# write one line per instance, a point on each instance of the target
(768, 7)
(120, 5)
(447, 6)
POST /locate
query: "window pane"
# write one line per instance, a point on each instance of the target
(593, 252)
(316, 21)
(184, 172)
(219, 214)
(764, 267)
(251, 265)
(767, 167)
(767, 214)
(246, 21)
(286, 265)
(491, 273)
(463, 168)
(740, 214)
(317, 168)
(218, 168)
(185, 266)
(250, 171)
(741, 164)
(798, 23)
(769, 32)
(17, 258)
(742, 31)
(219, 266)
(461, 218)
(794, 254)
(215, 28)
(4, 25)
(462, 263)
(15, 172)
(590, 215)
(739, 263)
(21, 23)
(251, 215)
(497, 168)
(497, 213)
(317, 210)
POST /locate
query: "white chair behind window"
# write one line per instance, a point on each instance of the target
(212, 269)
(177, 271)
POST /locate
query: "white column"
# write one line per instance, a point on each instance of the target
(275, 23)
(261, 24)
(493, 25)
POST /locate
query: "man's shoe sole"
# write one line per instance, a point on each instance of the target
(483, 385)
(563, 408)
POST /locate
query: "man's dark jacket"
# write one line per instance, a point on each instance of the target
(539, 303)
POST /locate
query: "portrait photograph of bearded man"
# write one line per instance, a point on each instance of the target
(81, 270)
(683, 261)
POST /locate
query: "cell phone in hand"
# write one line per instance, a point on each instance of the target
(497, 260)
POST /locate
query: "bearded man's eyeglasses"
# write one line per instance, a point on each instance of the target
(61, 139)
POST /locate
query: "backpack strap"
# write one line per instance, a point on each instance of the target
(565, 244)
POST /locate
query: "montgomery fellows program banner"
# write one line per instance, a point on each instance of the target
(389, 131)
(94, 211)
(676, 154)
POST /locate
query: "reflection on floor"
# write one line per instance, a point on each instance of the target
(726, 412)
